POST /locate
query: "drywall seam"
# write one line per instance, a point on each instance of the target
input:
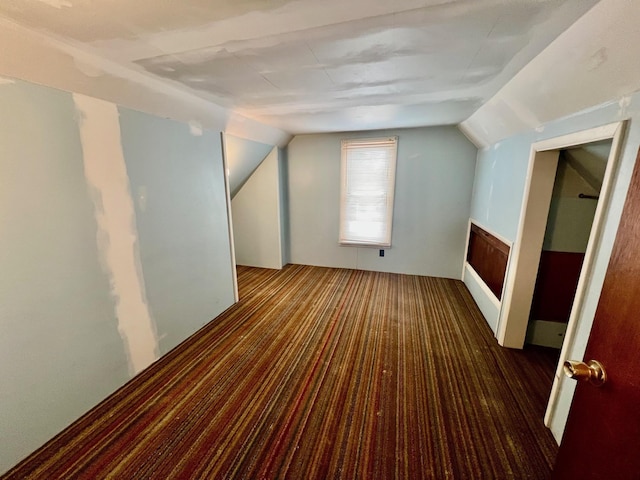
(532, 97)
(57, 3)
(96, 62)
(73, 67)
(106, 175)
(195, 128)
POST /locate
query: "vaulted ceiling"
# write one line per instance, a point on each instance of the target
(313, 66)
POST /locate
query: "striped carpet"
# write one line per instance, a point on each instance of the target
(321, 373)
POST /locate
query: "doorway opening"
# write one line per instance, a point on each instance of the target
(524, 261)
(574, 200)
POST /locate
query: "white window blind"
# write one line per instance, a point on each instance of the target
(368, 181)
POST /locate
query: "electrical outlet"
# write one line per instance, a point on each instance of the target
(382, 253)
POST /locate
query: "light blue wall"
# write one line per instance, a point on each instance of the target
(499, 185)
(184, 247)
(433, 190)
(61, 351)
(498, 192)
(243, 157)
(571, 217)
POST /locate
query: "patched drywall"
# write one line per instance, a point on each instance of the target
(114, 228)
(60, 350)
(434, 177)
(592, 62)
(178, 183)
(417, 65)
(257, 212)
(80, 68)
(94, 21)
(117, 238)
(299, 66)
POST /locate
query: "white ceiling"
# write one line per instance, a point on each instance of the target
(306, 66)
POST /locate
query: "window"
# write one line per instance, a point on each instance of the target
(366, 200)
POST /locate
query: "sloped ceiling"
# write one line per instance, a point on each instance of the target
(305, 66)
(243, 157)
(594, 62)
(590, 162)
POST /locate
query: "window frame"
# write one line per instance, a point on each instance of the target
(388, 143)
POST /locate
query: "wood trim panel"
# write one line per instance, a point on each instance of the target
(488, 256)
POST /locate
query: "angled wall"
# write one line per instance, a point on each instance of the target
(177, 185)
(257, 216)
(114, 249)
(243, 157)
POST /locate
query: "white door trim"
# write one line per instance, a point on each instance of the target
(617, 135)
(523, 267)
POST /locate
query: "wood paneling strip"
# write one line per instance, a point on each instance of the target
(488, 256)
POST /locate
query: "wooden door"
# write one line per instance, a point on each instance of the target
(602, 437)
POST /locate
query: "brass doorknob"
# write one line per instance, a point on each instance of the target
(592, 371)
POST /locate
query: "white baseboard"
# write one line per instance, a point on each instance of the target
(485, 299)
